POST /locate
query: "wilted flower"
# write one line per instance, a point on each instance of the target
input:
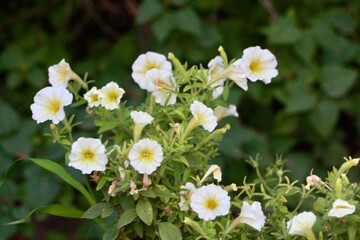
(112, 189)
(92, 97)
(122, 172)
(146, 62)
(221, 112)
(259, 64)
(133, 188)
(210, 201)
(49, 104)
(341, 208)
(313, 180)
(145, 156)
(87, 155)
(164, 86)
(110, 95)
(302, 225)
(203, 115)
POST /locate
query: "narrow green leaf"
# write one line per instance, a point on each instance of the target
(63, 174)
(108, 125)
(352, 232)
(169, 231)
(94, 211)
(53, 209)
(145, 211)
(127, 217)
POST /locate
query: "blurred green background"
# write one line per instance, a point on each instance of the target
(310, 113)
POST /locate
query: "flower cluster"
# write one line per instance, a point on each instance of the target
(151, 161)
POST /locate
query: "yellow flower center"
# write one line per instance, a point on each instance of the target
(341, 207)
(54, 106)
(62, 72)
(211, 204)
(150, 66)
(95, 97)
(113, 96)
(255, 66)
(88, 155)
(146, 155)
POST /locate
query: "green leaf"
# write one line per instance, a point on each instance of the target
(148, 10)
(127, 217)
(9, 119)
(145, 211)
(168, 231)
(337, 80)
(53, 209)
(108, 125)
(95, 210)
(284, 31)
(352, 232)
(306, 47)
(163, 26)
(64, 175)
(111, 234)
(324, 117)
(188, 21)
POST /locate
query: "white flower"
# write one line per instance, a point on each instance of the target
(221, 112)
(210, 201)
(185, 195)
(122, 172)
(141, 118)
(110, 95)
(215, 170)
(252, 215)
(145, 156)
(146, 62)
(203, 115)
(60, 74)
(164, 86)
(301, 224)
(234, 72)
(87, 155)
(49, 104)
(216, 66)
(92, 97)
(259, 64)
(341, 208)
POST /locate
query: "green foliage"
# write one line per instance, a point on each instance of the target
(308, 113)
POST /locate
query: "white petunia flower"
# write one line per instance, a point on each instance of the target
(302, 225)
(252, 215)
(60, 74)
(234, 72)
(92, 97)
(165, 86)
(203, 115)
(145, 156)
(210, 201)
(341, 208)
(110, 95)
(141, 118)
(259, 64)
(185, 196)
(49, 104)
(216, 66)
(215, 170)
(221, 112)
(146, 62)
(87, 155)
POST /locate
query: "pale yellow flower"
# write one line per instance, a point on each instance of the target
(49, 104)
(341, 208)
(110, 95)
(87, 155)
